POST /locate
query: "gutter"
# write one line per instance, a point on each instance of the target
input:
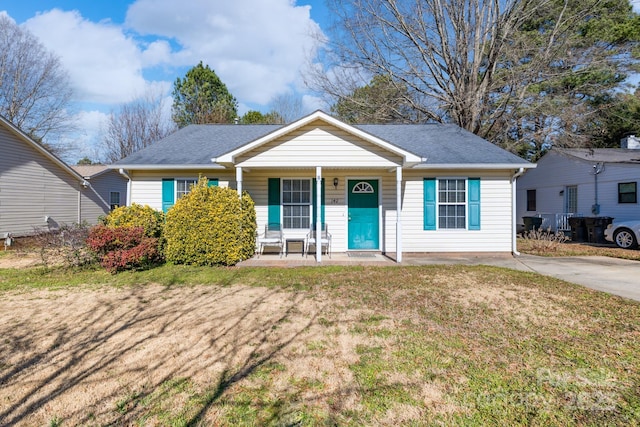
(514, 246)
(167, 167)
(124, 173)
(483, 166)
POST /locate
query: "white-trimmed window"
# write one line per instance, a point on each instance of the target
(571, 201)
(114, 200)
(628, 192)
(296, 203)
(183, 186)
(452, 203)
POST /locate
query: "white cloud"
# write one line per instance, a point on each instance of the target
(86, 141)
(256, 47)
(104, 64)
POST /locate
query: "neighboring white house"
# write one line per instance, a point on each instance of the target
(38, 190)
(601, 182)
(387, 188)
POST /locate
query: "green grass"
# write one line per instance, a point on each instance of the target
(437, 345)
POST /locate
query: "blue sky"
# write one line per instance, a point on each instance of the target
(117, 50)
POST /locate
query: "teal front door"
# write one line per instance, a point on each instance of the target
(364, 222)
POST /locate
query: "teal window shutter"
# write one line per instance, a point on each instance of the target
(429, 188)
(213, 182)
(474, 203)
(168, 194)
(274, 200)
(313, 220)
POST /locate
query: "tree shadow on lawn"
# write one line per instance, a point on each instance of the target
(71, 354)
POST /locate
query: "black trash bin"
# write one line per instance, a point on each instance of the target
(532, 222)
(578, 229)
(595, 228)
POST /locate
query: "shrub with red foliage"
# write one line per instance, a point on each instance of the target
(123, 248)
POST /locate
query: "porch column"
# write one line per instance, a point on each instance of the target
(318, 217)
(239, 180)
(399, 214)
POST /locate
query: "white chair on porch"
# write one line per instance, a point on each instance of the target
(325, 239)
(272, 237)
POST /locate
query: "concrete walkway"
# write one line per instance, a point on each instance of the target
(615, 276)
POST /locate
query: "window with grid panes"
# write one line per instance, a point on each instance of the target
(296, 203)
(183, 186)
(452, 205)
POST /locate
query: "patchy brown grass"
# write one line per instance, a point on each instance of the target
(579, 249)
(448, 345)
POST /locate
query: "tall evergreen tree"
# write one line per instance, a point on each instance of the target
(201, 97)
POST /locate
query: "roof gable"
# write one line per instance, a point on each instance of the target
(319, 143)
(318, 116)
(606, 155)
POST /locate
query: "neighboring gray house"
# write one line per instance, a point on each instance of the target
(38, 190)
(109, 184)
(388, 188)
(582, 182)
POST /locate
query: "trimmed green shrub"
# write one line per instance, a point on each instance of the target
(210, 226)
(136, 216)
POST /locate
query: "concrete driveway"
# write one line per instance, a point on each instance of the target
(615, 276)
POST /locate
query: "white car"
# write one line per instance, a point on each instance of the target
(625, 234)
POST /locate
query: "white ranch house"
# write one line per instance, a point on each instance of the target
(385, 188)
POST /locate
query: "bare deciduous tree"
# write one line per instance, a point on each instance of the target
(136, 125)
(35, 90)
(288, 107)
(473, 62)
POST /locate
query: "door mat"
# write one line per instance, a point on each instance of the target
(361, 254)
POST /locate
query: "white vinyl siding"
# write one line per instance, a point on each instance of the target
(146, 186)
(319, 144)
(495, 217)
(495, 235)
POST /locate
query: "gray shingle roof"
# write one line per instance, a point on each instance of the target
(607, 155)
(197, 144)
(443, 144)
(88, 171)
(438, 143)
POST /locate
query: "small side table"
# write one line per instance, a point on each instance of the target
(290, 240)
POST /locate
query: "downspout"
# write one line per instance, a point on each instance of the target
(83, 185)
(514, 246)
(124, 173)
(80, 203)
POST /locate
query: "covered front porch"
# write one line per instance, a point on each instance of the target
(358, 210)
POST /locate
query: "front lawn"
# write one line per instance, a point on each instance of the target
(428, 345)
(577, 249)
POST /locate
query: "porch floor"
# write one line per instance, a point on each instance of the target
(500, 259)
(337, 258)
